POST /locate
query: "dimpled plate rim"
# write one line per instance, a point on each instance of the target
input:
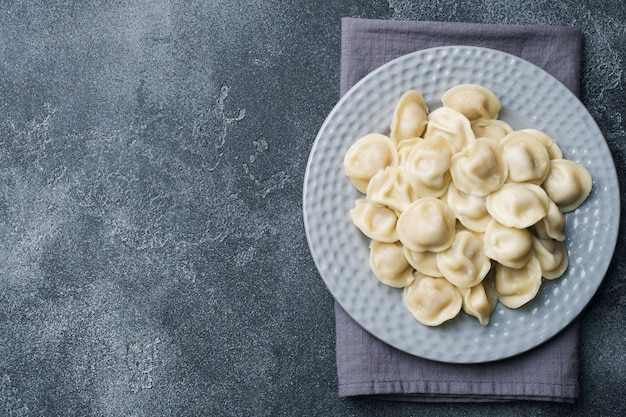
(530, 98)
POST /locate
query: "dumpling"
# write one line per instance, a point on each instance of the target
(552, 256)
(553, 149)
(410, 117)
(389, 264)
(473, 101)
(450, 125)
(526, 158)
(390, 188)
(464, 263)
(507, 245)
(428, 167)
(518, 205)
(428, 224)
(376, 222)
(552, 226)
(480, 300)
(491, 128)
(479, 169)
(568, 184)
(470, 210)
(424, 262)
(432, 300)
(517, 286)
(404, 149)
(366, 157)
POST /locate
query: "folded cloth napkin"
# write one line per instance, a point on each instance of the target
(367, 366)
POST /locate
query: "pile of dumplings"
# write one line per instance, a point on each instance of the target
(462, 210)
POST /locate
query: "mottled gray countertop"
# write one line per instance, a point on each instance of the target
(153, 260)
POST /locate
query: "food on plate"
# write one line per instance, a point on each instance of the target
(390, 188)
(410, 117)
(376, 222)
(548, 142)
(424, 262)
(367, 156)
(432, 300)
(428, 166)
(405, 147)
(464, 263)
(509, 246)
(517, 286)
(552, 225)
(389, 264)
(527, 158)
(428, 224)
(552, 257)
(450, 125)
(491, 128)
(568, 184)
(473, 101)
(480, 300)
(470, 210)
(462, 211)
(479, 168)
(518, 205)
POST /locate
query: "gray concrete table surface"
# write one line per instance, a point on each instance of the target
(153, 260)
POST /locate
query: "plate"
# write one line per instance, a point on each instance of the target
(530, 97)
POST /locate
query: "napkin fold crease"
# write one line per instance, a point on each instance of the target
(367, 366)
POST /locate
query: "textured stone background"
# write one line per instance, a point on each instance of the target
(153, 260)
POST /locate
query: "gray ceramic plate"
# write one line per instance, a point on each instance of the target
(530, 98)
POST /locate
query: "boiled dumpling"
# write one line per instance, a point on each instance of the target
(518, 205)
(376, 222)
(568, 184)
(390, 188)
(507, 245)
(552, 256)
(551, 226)
(404, 149)
(410, 117)
(479, 169)
(366, 157)
(526, 157)
(461, 209)
(553, 149)
(517, 286)
(424, 262)
(389, 264)
(427, 224)
(464, 263)
(480, 300)
(491, 128)
(432, 300)
(470, 210)
(450, 125)
(473, 101)
(428, 166)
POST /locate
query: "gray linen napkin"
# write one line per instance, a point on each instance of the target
(367, 366)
